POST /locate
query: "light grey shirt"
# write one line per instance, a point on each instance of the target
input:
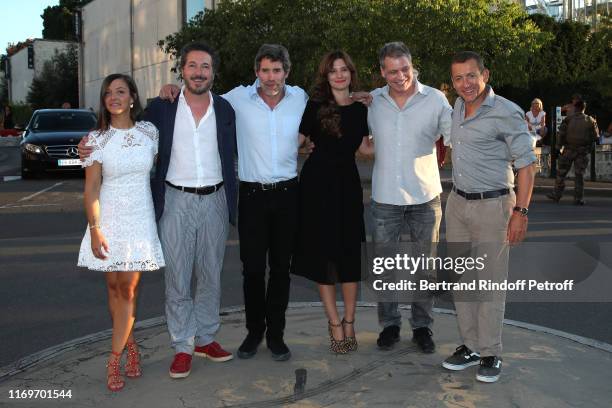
(406, 166)
(486, 144)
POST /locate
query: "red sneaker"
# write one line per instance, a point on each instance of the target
(181, 365)
(214, 352)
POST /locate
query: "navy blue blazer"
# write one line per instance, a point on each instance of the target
(162, 114)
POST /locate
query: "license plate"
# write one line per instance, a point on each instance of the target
(69, 162)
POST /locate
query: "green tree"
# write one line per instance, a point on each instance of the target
(58, 21)
(433, 30)
(577, 60)
(57, 82)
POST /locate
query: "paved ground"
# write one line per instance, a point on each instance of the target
(540, 370)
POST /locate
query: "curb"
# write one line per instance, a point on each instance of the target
(33, 360)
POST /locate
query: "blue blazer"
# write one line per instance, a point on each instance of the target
(162, 114)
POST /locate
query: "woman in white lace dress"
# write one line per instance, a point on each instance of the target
(121, 239)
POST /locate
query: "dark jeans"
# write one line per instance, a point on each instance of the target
(421, 223)
(267, 226)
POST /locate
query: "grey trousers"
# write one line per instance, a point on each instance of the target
(193, 230)
(422, 224)
(484, 224)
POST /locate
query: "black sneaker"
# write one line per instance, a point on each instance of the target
(489, 370)
(388, 337)
(554, 197)
(422, 337)
(579, 202)
(248, 348)
(280, 351)
(461, 359)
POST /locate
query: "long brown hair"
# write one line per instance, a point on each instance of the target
(103, 114)
(328, 114)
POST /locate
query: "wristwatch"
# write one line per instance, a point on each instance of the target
(522, 210)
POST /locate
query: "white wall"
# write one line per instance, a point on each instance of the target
(22, 76)
(153, 20)
(108, 47)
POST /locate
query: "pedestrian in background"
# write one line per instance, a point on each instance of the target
(7, 118)
(536, 120)
(577, 134)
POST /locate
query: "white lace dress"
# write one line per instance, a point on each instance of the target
(127, 216)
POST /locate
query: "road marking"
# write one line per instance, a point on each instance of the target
(26, 205)
(11, 178)
(44, 190)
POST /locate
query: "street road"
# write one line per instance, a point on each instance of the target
(46, 300)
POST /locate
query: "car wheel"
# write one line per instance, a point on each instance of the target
(27, 174)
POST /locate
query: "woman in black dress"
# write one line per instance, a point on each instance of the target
(331, 228)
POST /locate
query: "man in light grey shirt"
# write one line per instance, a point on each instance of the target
(406, 118)
(488, 136)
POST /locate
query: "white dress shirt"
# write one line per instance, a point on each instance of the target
(267, 138)
(405, 166)
(195, 160)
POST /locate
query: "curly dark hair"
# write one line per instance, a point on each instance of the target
(329, 114)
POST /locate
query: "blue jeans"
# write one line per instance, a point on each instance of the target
(421, 224)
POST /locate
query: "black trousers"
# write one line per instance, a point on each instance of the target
(267, 227)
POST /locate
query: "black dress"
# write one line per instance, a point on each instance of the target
(331, 227)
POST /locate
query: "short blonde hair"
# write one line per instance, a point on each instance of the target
(538, 101)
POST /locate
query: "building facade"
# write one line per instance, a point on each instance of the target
(28, 63)
(120, 36)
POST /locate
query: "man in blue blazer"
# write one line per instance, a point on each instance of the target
(195, 194)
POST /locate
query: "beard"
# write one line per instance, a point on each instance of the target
(198, 90)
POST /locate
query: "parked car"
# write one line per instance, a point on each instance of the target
(50, 140)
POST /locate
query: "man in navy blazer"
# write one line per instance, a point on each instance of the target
(162, 114)
(195, 194)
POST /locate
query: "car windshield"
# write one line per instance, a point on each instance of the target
(63, 121)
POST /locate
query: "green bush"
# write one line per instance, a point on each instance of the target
(432, 29)
(21, 114)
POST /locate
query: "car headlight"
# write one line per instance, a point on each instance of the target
(33, 148)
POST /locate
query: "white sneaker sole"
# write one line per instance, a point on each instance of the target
(215, 359)
(179, 375)
(456, 367)
(487, 378)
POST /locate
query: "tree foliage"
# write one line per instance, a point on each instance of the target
(57, 82)
(433, 30)
(58, 21)
(576, 61)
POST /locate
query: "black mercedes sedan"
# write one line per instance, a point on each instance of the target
(50, 140)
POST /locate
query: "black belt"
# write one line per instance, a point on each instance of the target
(270, 186)
(483, 195)
(197, 190)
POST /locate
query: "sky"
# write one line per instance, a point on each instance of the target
(21, 20)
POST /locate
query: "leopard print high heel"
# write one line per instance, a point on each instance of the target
(336, 346)
(350, 341)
